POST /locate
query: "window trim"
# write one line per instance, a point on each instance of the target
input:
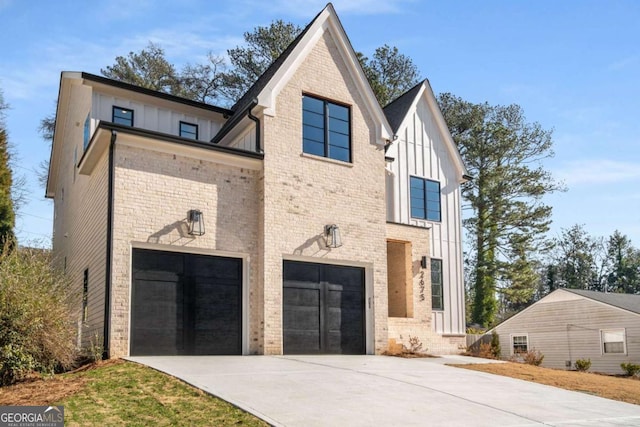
(326, 102)
(624, 342)
(511, 344)
(426, 200)
(182, 122)
(441, 283)
(113, 115)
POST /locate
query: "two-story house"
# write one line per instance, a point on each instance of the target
(304, 219)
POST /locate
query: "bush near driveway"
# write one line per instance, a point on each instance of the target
(36, 326)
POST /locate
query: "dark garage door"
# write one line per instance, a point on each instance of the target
(185, 304)
(323, 309)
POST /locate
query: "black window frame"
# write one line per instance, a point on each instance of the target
(189, 133)
(426, 207)
(85, 295)
(437, 286)
(113, 115)
(327, 129)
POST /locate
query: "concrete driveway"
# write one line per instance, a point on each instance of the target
(386, 391)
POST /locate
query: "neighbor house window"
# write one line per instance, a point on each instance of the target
(613, 341)
(519, 344)
(425, 199)
(326, 129)
(188, 130)
(87, 132)
(122, 116)
(85, 295)
(437, 300)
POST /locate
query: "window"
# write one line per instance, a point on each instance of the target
(85, 295)
(122, 116)
(613, 341)
(519, 344)
(87, 132)
(326, 129)
(425, 199)
(188, 130)
(437, 300)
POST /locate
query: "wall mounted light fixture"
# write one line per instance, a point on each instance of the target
(196, 222)
(332, 236)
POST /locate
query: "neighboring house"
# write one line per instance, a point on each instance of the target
(300, 220)
(570, 324)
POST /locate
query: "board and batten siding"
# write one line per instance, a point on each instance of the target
(420, 151)
(567, 329)
(154, 117)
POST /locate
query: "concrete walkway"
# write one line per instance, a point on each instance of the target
(386, 391)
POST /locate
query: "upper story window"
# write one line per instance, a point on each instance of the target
(188, 130)
(122, 116)
(326, 129)
(425, 199)
(87, 131)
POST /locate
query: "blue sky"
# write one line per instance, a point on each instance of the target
(574, 66)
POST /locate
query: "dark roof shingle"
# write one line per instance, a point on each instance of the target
(397, 109)
(629, 302)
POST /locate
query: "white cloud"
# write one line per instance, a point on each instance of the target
(597, 171)
(623, 63)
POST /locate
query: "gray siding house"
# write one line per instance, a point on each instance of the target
(571, 324)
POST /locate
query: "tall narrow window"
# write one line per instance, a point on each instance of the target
(326, 129)
(122, 116)
(87, 132)
(437, 299)
(85, 296)
(425, 199)
(188, 130)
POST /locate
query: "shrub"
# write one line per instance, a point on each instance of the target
(415, 344)
(583, 365)
(532, 357)
(36, 328)
(630, 369)
(495, 344)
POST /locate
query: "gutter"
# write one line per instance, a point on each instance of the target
(234, 120)
(109, 258)
(257, 122)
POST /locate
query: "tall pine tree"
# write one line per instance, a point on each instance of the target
(7, 214)
(503, 152)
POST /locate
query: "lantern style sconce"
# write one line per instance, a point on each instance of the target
(196, 222)
(332, 235)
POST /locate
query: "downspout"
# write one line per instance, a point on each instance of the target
(257, 121)
(107, 292)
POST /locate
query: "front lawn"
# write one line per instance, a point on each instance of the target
(611, 387)
(124, 393)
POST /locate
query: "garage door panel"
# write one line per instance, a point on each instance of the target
(188, 313)
(322, 316)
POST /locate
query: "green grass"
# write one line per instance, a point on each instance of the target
(133, 395)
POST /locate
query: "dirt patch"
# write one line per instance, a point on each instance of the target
(624, 389)
(37, 390)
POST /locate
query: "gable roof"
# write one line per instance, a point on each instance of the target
(397, 109)
(263, 92)
(398, 113)
(629, 302)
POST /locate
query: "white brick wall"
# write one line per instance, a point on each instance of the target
(153, 192)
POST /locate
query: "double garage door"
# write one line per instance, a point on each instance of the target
(187, 304)
(323, 309)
